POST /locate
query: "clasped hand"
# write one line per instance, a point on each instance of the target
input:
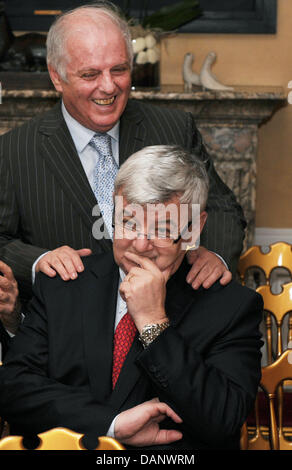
(139, 426)
(144, 290)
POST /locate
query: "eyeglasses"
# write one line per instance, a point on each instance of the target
(128, 230)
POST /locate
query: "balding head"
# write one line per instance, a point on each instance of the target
(83, 21)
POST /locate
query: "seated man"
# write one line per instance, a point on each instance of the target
(129, 349)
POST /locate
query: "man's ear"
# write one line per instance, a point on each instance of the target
(56, 79)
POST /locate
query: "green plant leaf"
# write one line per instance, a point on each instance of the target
(173, 16)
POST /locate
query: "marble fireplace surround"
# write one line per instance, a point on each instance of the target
(228, 121)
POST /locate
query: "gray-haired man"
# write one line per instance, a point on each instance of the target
(129, 342)
(48, 174)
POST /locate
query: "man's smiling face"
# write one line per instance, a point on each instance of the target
(98, 73)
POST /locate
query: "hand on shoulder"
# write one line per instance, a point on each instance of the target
(207, 268)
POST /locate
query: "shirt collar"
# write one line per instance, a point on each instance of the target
(122, 274)
(82, 135)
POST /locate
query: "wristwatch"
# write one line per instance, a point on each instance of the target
(150, 332)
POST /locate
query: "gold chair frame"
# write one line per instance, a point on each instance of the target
(60, 439)
(272, 376)
(279, 256)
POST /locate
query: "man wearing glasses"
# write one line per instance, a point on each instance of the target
(129, 349)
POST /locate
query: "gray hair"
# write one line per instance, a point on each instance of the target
(56, 56)
(157, 173)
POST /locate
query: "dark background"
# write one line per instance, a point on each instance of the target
(219, 16)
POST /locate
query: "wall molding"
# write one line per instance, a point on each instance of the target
(265, 236)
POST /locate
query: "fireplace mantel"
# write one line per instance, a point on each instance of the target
(228, 121)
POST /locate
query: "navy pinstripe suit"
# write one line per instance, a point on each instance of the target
(46, 200)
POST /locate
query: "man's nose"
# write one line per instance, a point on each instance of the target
(106, 83)
(142, 244)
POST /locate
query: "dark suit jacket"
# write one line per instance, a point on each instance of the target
(46, 200)
(4, 340)
(206, 365)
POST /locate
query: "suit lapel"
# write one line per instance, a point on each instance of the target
(179, 295)
(99, 301)
(133, 133)
(59, 151)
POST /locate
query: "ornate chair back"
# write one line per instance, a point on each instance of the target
(273, 376)
(276, 306)
(59, 439)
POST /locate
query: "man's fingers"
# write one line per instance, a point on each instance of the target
(142, 261)
(208, 280)
(201, 277)
(166, 436)
(207, 269)
(194, 271)
(46, 269)
(78, 261)
(125, 289)
(217, 273)
(226, 278)
(6, 271)
(164, 409)
(84, 252)
(65, 261)
(72, 264)
(137, 271)
(4, 297)
(5, 284)
(171, 414)
(55, 265)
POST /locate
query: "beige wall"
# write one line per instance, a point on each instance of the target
(251, 60)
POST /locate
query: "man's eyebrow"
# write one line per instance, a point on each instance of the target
(121, 64)
(87, 69)
(96, 69)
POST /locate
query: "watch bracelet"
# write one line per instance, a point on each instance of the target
(147, 335)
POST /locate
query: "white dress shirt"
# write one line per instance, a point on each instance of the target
(81, 137)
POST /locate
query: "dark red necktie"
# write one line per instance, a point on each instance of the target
(124, 337)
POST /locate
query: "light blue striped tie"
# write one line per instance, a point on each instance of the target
(105, 173)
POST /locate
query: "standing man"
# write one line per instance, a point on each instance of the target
(51, 170)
